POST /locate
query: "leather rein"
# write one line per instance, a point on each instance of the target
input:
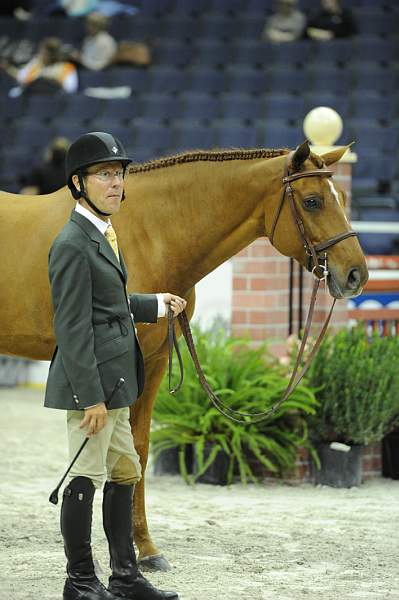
(317, 264)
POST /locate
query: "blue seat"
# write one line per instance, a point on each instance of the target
(191, 6)
(248, 80)
(335, 80)
(339, 102)
(79, 108)
(376, 22)
(292, 80)
(173, 53)
(294, 53)
(200, 106)
(378, 165)
(68, 30)
(252, 53)
(228, 5)
(207, 80)
(183, 28)
(230, 133)
(159, 106)
(156, 7)
(144, 131)
(190, 135)
(277, 134)
(242, 106)
(12, 109)
(212, 52)
(121, 76)
(166, 80)
(338, 50)
(31, 133)
(123, 109)
(373, 106)
(220, 27)
(92, 79)
(45, 108)
(373, 48)
(373, 137)
(138, 28)
(373, 78)
(251, 26)
(285, 106)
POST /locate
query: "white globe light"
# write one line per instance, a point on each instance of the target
(323, 126)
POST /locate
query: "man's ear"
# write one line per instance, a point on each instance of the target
(301, 154)
(75, 181)
(335, 155)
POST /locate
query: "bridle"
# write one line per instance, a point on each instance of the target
(317, 264)
(312, 250)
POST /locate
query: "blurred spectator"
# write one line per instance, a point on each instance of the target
(46, 73)
(99, 47)
(80, 8)
(332, 21)
(50, 175)
(287, 24)
(19, 9)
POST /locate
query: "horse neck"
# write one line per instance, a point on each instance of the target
(190, 218)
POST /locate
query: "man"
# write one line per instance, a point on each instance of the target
(286, 24)
(94, 324)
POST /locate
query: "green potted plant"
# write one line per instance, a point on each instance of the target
(356, 381)
(247, 379)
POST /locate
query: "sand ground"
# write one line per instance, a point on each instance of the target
(265, 542)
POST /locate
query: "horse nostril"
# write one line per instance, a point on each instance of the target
(354, 279)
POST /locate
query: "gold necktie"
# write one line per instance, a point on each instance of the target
(112, 239)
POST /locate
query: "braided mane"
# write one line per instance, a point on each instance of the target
(207, 155)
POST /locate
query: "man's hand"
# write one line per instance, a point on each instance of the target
(95, 419)
(176, 303)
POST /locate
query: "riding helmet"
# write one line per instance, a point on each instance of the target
(91, 149)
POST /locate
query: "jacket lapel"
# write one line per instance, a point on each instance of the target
(96, 236)
(123, 265)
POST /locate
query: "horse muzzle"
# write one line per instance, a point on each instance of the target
(350, 285)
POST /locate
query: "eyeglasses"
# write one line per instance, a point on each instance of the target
(107, 174)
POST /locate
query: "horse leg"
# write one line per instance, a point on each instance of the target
(150, 558)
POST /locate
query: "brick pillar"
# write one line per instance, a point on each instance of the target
(260, 299)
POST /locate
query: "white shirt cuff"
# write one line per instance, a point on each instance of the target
(161, 306)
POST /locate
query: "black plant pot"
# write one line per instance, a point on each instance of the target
(339, 469)
(390, 455)
(167, 462)
(217, 472)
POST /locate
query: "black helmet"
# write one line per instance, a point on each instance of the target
(90, 149)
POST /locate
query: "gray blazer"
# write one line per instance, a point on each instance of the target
(94, 321)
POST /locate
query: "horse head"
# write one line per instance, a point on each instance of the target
(310, 224)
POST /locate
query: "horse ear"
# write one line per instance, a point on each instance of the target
(301, 153)
(335, 155)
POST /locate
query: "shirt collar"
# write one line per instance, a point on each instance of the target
(99, 223)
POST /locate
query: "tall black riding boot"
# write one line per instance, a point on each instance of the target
(76, 517)
(126, 581)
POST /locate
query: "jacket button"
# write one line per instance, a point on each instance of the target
(76, 399)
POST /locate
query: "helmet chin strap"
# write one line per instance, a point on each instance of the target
(86, 197)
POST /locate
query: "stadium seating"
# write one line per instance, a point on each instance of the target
(215, 82)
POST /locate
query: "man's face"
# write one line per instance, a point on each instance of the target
(104, 186)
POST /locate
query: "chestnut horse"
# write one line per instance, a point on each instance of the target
(183, 216)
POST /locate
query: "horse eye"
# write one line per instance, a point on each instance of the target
(312, 203)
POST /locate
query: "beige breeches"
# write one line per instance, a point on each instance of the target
(109, 453)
